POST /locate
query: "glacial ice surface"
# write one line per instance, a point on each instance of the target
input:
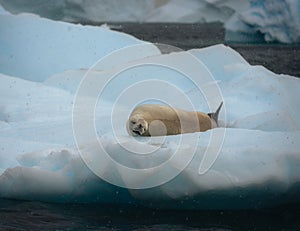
(258, 161)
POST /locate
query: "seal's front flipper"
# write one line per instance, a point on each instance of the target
(215, 115)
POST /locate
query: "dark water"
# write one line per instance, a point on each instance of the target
(24, 215)
(279, 58)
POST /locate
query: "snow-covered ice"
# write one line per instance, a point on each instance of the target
(245, 21)
(42, 107)
(22, 53)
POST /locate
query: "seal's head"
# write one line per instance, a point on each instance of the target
(137, 125)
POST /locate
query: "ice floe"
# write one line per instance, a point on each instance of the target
(47, 151)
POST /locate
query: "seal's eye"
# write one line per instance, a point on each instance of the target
(133, 122)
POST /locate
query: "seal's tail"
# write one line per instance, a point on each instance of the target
(215, 115)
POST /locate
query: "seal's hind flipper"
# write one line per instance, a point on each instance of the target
(215, 115)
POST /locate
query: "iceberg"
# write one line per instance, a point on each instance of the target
(245, 21)
(270, 21)
(85, 11)
(130, 11)
(192, 11)
(63, 134)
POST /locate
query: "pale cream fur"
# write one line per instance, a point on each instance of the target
(159, 120)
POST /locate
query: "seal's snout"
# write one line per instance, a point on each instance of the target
(137, 126)
(137, 132)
